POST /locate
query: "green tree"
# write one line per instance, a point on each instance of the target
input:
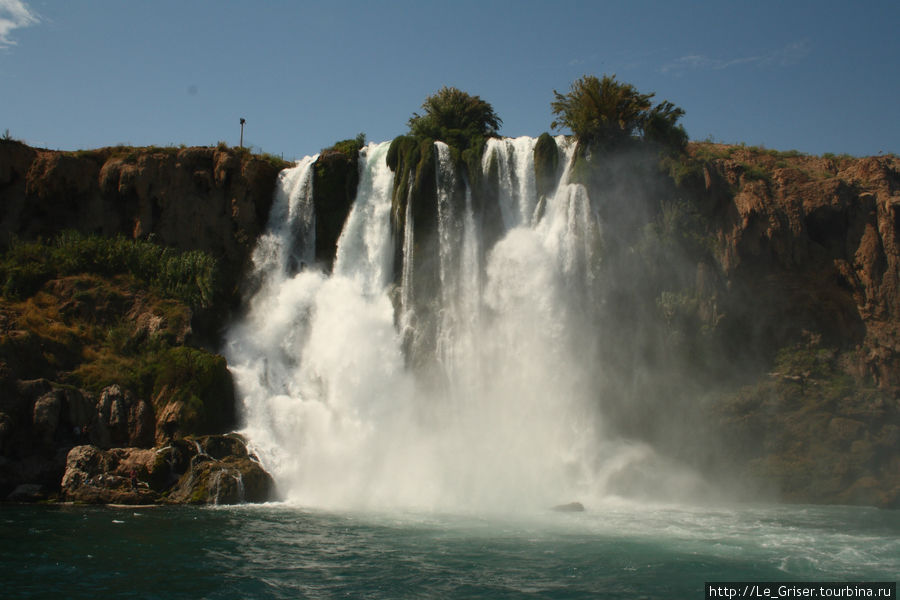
(661, 125)
(606, 112)
(456, 118)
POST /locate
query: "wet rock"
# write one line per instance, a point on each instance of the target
(228, 481)
(116, 476)
(223, 472)
(28, 492)
(570, 507)
(182, 472)
(223, 446)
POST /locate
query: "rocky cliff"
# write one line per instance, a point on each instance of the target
(809, 264)
(815, 241)
(119, 267)
(212, 199)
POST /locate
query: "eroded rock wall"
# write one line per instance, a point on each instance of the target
(212, 199)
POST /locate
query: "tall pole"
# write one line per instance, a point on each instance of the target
(242, 132)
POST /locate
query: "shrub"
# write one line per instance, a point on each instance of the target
(349, 147)
(202, 382)
(192, 277)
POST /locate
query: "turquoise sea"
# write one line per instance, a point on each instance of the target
(281, 551)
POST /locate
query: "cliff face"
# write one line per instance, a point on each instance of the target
(814, 244)
(106, 360)
(212, 199)
(809, 256)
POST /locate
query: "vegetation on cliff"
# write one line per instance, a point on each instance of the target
(810, 430)
(91, 312)
(456, 118)
(117, 269)
(191, 277)
(605, 113)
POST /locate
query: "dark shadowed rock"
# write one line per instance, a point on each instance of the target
(123, 421)
(45, 420)
(215, 199)
(28, 492)
(228, 481)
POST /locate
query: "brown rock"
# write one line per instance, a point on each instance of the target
(185, 198)
(231, 480)
(123, 421)
(95, 476)
(183, 469)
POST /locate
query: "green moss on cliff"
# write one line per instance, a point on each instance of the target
(814, 431)
(201, 381)
(413, 163)
(546, 164)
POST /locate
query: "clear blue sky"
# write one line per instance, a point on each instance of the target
(815, 76)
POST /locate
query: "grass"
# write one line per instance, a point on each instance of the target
(131, 154)
(349, 148)
(192, 277)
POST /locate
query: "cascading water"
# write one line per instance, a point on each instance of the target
(333, 409)
(518, 196)
(289, 241)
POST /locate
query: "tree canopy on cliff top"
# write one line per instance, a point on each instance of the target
(605, 112)
(455, 117)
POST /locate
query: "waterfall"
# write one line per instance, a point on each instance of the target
(364, 248)
(458, 250)
(510, 418)
(518, 197)
(289, 240)
(226, 486)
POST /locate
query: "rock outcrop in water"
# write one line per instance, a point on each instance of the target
(774, 296)
(206, 470)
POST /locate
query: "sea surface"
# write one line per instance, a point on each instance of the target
(281, 551)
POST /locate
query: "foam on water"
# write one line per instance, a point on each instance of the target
(278, 551)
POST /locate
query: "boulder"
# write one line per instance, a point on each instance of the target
(223, 472)
(208, 470)
(28, 492)
(231, 480)
(116, 476)
(570, 507)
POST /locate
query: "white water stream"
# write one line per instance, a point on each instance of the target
(512, 421)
